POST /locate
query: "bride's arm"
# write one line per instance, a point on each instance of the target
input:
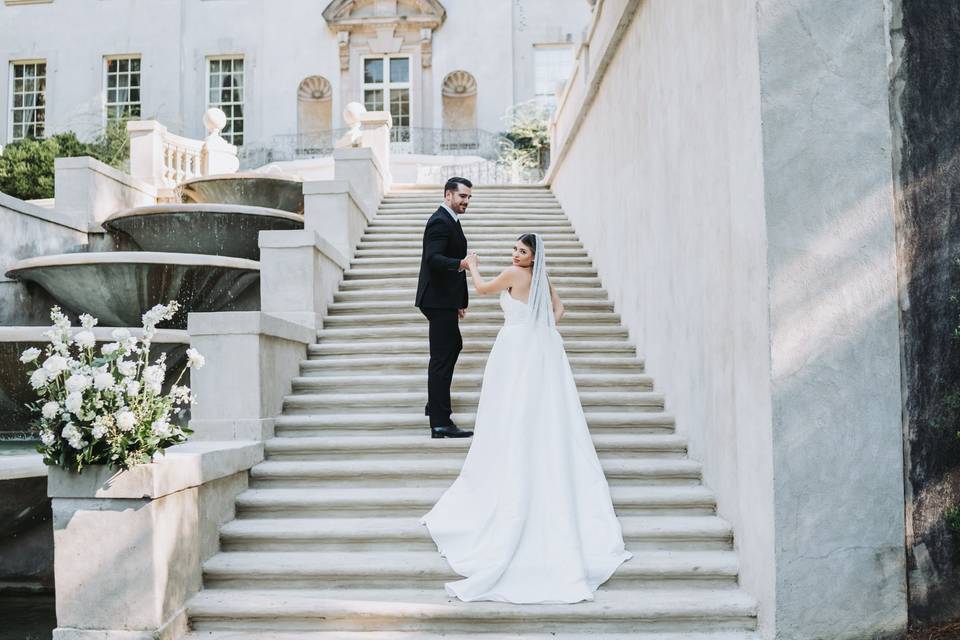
(506, 279)
(558, 309)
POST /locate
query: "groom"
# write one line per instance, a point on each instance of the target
(442, 298)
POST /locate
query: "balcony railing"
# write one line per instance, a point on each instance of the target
(453, 142)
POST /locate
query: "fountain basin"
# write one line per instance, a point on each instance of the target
(117, 287)
(15, 390)
(211, 229)
(246, 188)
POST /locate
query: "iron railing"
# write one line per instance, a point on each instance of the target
(486, 172)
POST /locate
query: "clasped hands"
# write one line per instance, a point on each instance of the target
(472, 260)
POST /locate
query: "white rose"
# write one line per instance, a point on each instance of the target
(74, 402)
(109, 348)
(127, 368)
(50, 410)
(38, 379)
(99, 430)
(73, 436)
(87, 321)
(47, 437)
(126, 420)
(195, 359)
(30, 355)
(85, 339)
(103, 381)
(54, 365)
(77, 383)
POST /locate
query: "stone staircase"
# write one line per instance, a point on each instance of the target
(326, 542)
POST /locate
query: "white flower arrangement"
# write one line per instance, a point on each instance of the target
(107, 407)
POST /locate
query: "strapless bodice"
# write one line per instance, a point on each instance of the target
(514, 311)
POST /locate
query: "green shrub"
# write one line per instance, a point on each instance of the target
(26, 166)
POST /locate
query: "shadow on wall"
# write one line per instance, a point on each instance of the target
(926, 104)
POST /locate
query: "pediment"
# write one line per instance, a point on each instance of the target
(349, 14)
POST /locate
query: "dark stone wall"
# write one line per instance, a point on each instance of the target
(26, 536)
(925, 106)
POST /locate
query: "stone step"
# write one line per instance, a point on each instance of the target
(508, 237)
(441, 471)
(407, 534)
(466, 363)
(432, 202)
(488, 271)
(427, 569)
(416, 250)
(477, 304)
(613, 611)
(416, 318)
(414, 502)
(413, 422)
(386, 380)
(475, 244)
(482, 217)
(392, 402)
(366, 292)
(566, 286)
(470, 345)
(421, 447)
(440, 635)
(498, 261)
(468, 329)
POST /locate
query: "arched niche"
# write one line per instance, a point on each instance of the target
(314, 105)
(459, 95)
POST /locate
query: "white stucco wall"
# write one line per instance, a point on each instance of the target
(834, 331)
(664, 186)
(282, 43)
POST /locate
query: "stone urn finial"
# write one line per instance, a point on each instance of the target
(214, 120)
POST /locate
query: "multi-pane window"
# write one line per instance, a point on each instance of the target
(28, 86)
(123, 88)
(386, 86)
(225, 90)
(551, 64)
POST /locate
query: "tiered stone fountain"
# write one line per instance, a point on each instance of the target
(202, 252)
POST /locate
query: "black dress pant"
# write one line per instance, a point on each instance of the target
(445, 346)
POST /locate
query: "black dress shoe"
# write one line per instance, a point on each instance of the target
(449, 431)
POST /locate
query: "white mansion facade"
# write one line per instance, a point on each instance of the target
(278, 68)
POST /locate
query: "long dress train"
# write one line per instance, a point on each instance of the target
(529, 519)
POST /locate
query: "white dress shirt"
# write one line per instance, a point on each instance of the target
(455, 219)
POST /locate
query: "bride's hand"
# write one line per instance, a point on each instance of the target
(473, 260)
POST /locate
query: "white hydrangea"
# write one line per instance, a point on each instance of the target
(133, 387)
(38, 379)
(77, 383)
(54, 365)
(126, 420)
(127, 368)
(29, 355)
(47, 437)
(153, 377)
(74, 402)
(181, 394)
(87, 321)
(98, 431)
(50, 410)
(161, 428)
(85, 339)
(194, 359)
(120, 334)
(103, 381)
(109, 348)
(73, 436)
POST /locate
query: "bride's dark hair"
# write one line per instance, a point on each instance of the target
(530, 240)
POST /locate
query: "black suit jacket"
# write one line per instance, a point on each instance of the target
(442, 285)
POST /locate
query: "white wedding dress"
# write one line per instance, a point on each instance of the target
(529, 519)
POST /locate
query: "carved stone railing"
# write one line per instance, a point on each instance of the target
(165, 159)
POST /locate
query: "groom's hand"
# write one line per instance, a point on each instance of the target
(461, 313)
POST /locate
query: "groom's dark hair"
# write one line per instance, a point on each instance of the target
(453, 184)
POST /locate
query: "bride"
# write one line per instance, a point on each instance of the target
(529, 519)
